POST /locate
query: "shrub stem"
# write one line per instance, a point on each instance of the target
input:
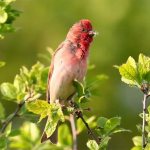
(74, 133)
(9, 119)
(144, 122)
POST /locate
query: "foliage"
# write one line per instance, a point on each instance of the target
(137, 140)
(28, 86)
(7, 17)
(105, 129)
(136, 73)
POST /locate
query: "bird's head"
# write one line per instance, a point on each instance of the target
(81, 32)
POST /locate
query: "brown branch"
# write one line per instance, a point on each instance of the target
(90, 132)
(9, 119)
(144, 122)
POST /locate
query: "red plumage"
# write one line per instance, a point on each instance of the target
(69, 62)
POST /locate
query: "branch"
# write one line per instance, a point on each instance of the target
(144, 121)
(9, 119)
(80, 115)
(74, 134)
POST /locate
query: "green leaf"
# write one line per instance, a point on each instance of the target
(2, 111)
(101, 121)
(117, 130)
(136, 74)
(137, 148)
(39, 107)
(144, 67)
(104, 143)
(148, 109)
(83, 99)
(54, 116)
(137, 140)
(2, 63)
(19, 84)
(111, 124)
(9, 1)
(79, 87)
(3, 142)
(92, 145)
(51, 125)
(128, 72)
(62, 138)
(59, 112)
(44, 75)
(8, 91)
(3, 16)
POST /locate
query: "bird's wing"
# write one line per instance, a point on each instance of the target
(51, 71)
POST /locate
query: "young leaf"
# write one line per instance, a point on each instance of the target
(101, 121)
(39, 107)
(9, 1)
(8, 91)
(79, 87)
(111, 124)
(92, 145)
(54, 116)
(128, 70)
(19, 84)
(136, 74)
(137, 140)
(117, 130)
(137, 148)
(104, 143)
(144, 67)
(51, 125)
(3, 15)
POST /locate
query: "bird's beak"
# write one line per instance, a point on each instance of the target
(92, 33)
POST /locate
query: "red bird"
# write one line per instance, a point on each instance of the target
(69, 62)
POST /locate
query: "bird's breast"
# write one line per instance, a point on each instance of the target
(67, 68)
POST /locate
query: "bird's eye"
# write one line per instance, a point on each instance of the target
(84, 30)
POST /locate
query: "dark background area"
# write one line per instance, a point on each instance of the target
(124, 30)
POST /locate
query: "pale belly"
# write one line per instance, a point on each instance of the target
(61, 84)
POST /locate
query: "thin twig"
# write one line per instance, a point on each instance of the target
(74, 133)
(144, 121)
(6, 123)
(80, 115)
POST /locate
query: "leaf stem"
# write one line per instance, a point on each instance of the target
(9, 119)
(74, 133)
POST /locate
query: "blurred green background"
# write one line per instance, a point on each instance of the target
(124, 29)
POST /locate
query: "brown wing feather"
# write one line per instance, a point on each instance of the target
(51, 71)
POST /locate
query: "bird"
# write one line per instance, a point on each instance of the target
(69, 63)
